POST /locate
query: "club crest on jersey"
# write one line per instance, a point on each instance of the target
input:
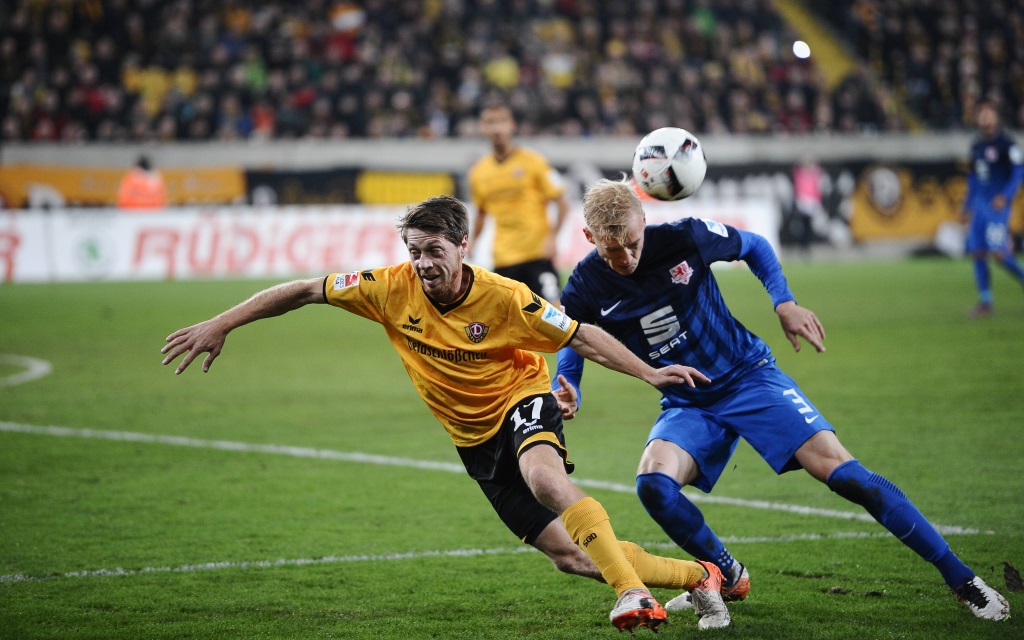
(345, 280)
(476, 331)
(681, 273)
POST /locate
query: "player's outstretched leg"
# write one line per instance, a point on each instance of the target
(893, 510)
(684, 523)
(588, 526)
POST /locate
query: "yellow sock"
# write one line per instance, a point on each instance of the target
(661, 572)
(588, 526)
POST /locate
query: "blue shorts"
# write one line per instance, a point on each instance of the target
(989, 231)
(764, 407)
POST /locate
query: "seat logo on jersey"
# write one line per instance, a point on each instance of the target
(681, 273)
(660, 327)
(412, 325)
(345, 280)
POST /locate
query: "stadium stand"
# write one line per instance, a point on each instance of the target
(163, 70)
(940, 56)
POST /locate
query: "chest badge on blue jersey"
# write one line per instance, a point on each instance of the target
(681, 273)
(476, 331)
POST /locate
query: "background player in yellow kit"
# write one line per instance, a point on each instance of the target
(466, 337)
(514, 185)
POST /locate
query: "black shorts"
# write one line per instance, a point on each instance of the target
(539, 275)
(494, 464)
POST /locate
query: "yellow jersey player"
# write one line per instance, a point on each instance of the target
(467, 338)
(514, 185)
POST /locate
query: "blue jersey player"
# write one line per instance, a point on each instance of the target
(995, 176)
(652, 288)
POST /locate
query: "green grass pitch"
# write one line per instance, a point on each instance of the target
(150, 538)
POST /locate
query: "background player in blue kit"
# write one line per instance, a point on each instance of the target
(995, 176)
(652, 288)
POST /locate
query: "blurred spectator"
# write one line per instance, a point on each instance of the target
(807, 206)
(142, 188)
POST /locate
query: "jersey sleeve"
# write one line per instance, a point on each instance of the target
(364, 293)
(765, 265)
(715, 241)
(535, 325)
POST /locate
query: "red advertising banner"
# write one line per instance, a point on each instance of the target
(253, 242)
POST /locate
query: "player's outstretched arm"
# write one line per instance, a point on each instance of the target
(209, 336)
(798, 322)
(594, 343)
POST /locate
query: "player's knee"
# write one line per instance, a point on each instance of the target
(660, 494)
(857, 484)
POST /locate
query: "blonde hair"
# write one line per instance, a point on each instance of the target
(608, 205)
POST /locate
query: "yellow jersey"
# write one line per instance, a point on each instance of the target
(471, 360)
(515, 192)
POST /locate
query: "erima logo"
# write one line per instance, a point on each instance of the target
(412, 324)
(662, 326)
(534, 306)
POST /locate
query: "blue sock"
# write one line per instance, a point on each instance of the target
(682, 520)
(981, 278)
(1011, 265)
(891, 508)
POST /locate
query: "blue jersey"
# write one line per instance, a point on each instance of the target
(995, 169)
(670, 309)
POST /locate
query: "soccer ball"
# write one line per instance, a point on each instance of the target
(669, 163)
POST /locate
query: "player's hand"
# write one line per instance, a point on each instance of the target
(206, 337)
(568, 399)
(798, 322)
(677, 374)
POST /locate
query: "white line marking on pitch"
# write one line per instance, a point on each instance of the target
(328, 454)
(34, 368)
(455, 553)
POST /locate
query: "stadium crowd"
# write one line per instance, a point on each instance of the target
(940, 56)
(137, 70)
